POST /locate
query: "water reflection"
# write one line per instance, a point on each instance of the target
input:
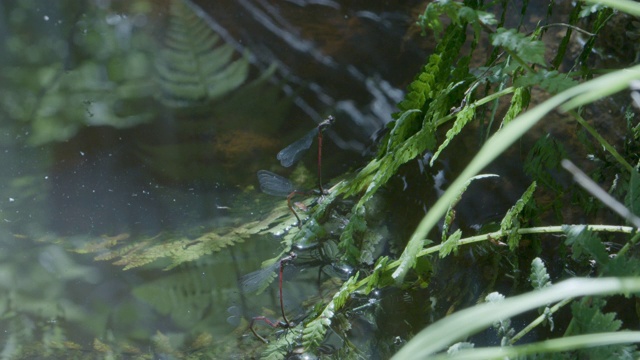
(137, 127)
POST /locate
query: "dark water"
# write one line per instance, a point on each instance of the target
(110, 135)
(132, 124)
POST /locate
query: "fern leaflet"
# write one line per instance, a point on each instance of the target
(551, 81)
(526, 48)
(585, 243)
(462, 118)
(539, 276)
(314, 332)
(519, 101)
(451, 244)
(511, 223)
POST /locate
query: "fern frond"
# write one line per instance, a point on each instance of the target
(457, 12)
(502, 326)
(136, 252)
(551, 81)
(585, 243)
(314, 331)
(450, 214)
(539, 276)
(431, 95)
(451, 244)
(373, 281)
(543, 158)
(588, 318)
(511, 223)
(525, 47)
(195, 67)
(354, 229)
(462, 119)
(519, 101)
(632, 199)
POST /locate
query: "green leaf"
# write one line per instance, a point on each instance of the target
(374, 279)
(632, 200)
(498, 143)
(352, 233)
(457, 12)
(511, 223)
(585, 243)
(551, 81)
(315, 330)
(588, 318)
(527, 48)
(543, 160)
(462, 118)
(539, 277)
(626, 6)
(519, 101)
(464, 323)
(450, 215)
(451, 244)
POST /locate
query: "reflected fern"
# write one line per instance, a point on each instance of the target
(194, 66)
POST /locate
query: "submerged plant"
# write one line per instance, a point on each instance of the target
(457, 90)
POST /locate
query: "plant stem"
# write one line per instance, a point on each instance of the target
(500, 234)
(538, 321)
(601, 140)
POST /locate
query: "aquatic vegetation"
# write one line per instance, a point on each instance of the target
(501, 95)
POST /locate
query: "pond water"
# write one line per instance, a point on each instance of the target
(132, 133)
(125, 122)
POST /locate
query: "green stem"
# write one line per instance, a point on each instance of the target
(538, 321)
(601, 140)
(477, 103)
(629, 244)
(500, 234)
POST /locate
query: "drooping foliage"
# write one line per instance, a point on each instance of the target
(458, 90)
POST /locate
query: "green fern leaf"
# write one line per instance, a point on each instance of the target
(354, 230)
(184, 295)
(314, 331)
(519, 101)
(543, 158)
(462, 119)
(551, 81)
(622, 266)
(528, 49)
(374, 280)
(132, 252)
(412, 138)
(585, 243)
(539, 276)
(450, 214)
(451, 244)
(511, 223)
(194, 67)
(588, 318)
(457, 12)
(632, 200)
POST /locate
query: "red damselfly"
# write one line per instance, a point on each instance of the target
(292, 153)
(276, 185)
(253, 281)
